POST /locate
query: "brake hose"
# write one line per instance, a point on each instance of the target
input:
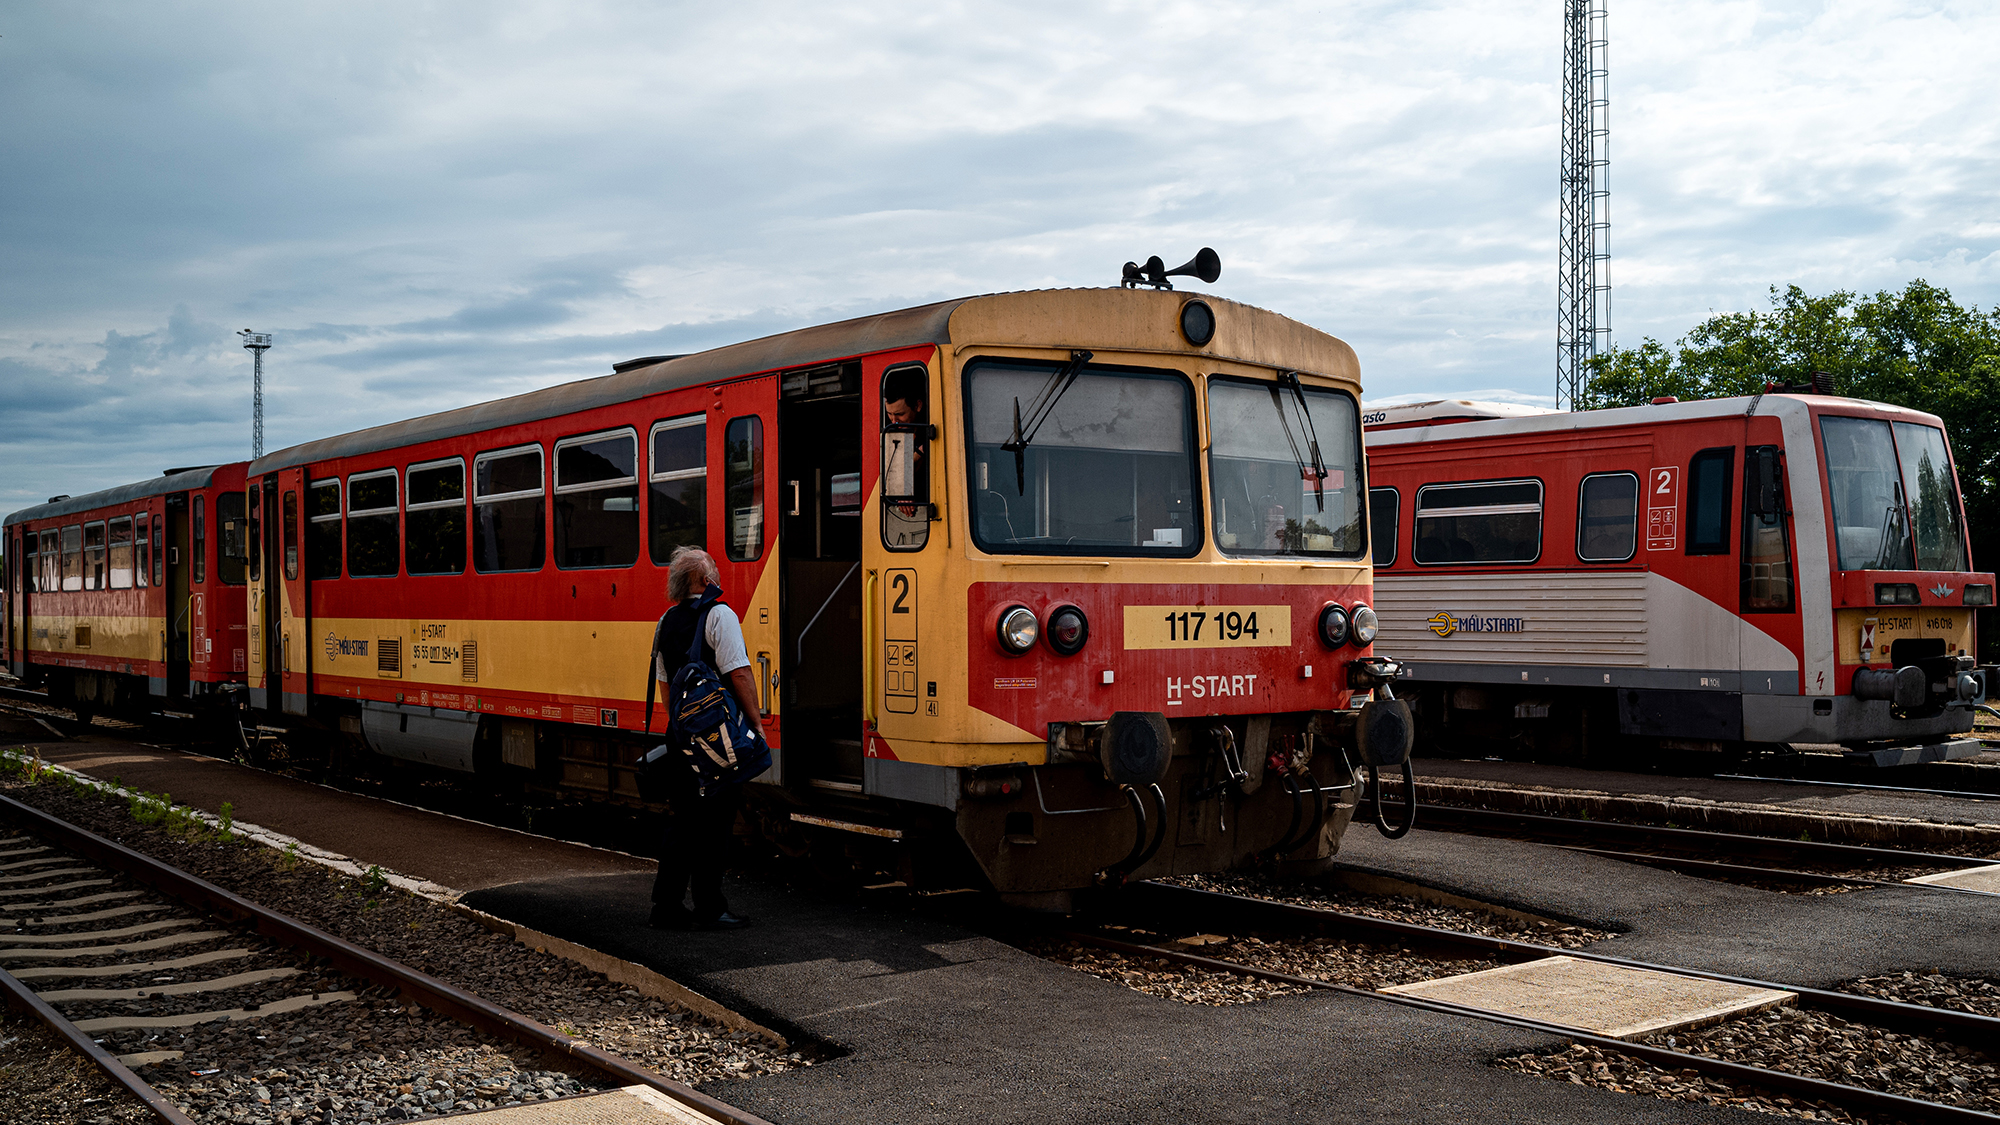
(1160, 831)
(1115, 874)
(1409, 801)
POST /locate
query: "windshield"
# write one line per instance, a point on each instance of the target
(1109, 472)
(1895, 506)
(1264, 503)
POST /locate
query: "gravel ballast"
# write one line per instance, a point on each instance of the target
(377, 1057)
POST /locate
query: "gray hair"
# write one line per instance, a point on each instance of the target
(689, 572)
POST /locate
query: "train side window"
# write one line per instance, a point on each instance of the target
(31, 562)
(52, 567)
(323, 529)
(159, 551)
(118, 552)
(371, 524)
(677, 493)
(1767, 553)
(291, 508)
(93, 555)
(142, 550)
(1385, 510)
(434, 520)
(1478, 522)
(232, 548)
(1708, 502)
(597, 500)
(72, 557)
(507, 499)
(743, 486)
(1607, 517)
(199, 547)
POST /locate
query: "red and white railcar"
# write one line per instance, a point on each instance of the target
(132, 599)
(1777, 569)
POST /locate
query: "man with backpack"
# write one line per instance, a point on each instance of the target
(715, 741)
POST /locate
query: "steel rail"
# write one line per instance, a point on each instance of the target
(1191, 902)
(1876, 1101)
(1962, 794)
(422, 988)
(19, 995)
(1449, 817)
(1715, 867)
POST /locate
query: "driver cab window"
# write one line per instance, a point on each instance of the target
(906, 471)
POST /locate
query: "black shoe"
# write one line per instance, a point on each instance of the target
(722, 921)
(666, 917)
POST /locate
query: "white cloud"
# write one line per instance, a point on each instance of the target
(431, 205)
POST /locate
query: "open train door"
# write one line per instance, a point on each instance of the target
(740, 436)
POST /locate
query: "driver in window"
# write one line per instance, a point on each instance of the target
(904, 403)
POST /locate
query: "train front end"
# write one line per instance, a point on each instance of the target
(1147, 647)
(1897, 678)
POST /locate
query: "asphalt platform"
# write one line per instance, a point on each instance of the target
(932, 1021)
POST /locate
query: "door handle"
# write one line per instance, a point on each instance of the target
(795, 498)
(765, 688)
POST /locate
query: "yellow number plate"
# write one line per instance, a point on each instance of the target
(1865, 634)
(1207, 626)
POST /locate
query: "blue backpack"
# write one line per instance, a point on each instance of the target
(717, 737)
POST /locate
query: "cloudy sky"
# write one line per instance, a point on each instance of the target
(431, 204)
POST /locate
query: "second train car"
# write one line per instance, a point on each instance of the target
(1730, 575)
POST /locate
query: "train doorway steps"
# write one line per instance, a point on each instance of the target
(1969, 879)
(630, 1105)
(1594, 997)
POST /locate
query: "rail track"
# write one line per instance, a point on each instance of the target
(106, 945)
(1164, 909)
(1812, 862)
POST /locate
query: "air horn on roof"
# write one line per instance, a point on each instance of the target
(1206, 265)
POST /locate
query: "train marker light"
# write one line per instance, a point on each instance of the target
(1110, 677)
(1365, 625)
(1333, 626)
(1978, 595)
(1068, 630)
(1019, 630)
(1197, 323)
(1897, 593)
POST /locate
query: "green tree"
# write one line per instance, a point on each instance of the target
(1916, 348)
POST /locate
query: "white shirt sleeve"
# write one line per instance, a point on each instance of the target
(724, 634)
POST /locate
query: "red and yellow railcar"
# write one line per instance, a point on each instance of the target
(1726, 575)
(1070, 584)
(131, 600)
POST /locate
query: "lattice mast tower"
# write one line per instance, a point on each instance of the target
(257, 343)
(1583, 276)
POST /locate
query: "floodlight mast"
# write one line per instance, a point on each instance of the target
(257, 343)
(1583, 273)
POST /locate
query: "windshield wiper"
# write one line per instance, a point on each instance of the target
(1316, 472)
(1038, 412)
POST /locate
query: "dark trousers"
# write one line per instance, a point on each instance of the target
(697, 837)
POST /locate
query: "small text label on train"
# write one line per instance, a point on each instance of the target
(1180, 689)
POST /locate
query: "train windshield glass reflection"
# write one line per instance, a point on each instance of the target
(1894, 504)
(1109, 472)
(1263, 506)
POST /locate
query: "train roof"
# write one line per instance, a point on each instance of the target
(1444, 410)
(182, 480)
(1104, 316)
(925, 324)
(1743, 406)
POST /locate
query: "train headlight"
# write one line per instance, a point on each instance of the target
(1019, 629)
(1333, 626)
(1365, 625)
(1897, 593)
(1979, 594)
(1068, 629)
